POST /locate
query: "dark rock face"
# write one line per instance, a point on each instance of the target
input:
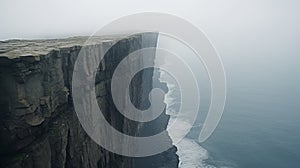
(38, 125)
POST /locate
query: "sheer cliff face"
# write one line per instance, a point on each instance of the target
(38, 125)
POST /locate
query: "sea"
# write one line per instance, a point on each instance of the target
(260, 126)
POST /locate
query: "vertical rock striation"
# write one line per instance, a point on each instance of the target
(38, 125)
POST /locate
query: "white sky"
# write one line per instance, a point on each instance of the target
(55, 18)
(237, 28)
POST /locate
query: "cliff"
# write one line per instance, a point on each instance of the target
(38, 125)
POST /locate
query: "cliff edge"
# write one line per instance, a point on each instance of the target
(38, 125)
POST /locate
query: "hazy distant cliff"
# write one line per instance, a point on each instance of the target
(38, 125)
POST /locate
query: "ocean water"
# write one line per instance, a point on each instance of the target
(260, 126)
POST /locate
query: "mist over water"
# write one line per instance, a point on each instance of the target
(260, 123)
(190, 152)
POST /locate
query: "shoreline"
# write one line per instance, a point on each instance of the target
(189, 152)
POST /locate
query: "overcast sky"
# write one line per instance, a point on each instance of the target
(237, 28)
(56, 18)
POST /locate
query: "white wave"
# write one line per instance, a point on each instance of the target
(191, 154)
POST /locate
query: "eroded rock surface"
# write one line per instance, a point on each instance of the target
(38, 125)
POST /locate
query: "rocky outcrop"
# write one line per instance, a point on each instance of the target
(38, 125)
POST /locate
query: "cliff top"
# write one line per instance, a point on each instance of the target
(21, 48)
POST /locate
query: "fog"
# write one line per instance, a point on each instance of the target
(246, 34)
(264, 34)
(233, 19)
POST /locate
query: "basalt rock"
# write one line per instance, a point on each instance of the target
(38, 125)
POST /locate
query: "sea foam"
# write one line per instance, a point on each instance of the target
(191, 154)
